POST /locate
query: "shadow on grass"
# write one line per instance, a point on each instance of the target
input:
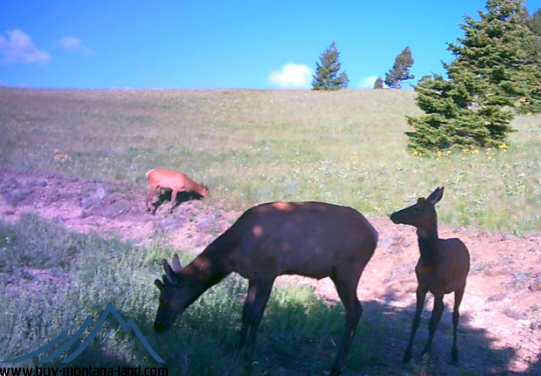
(290, 344)
(302, 339)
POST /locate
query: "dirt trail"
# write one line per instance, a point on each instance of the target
(503, 296)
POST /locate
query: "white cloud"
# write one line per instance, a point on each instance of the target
(73, 44)
(291, 76)
(368, 82)
(18, 48)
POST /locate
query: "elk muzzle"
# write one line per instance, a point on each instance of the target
(159, 328)
(395, 219)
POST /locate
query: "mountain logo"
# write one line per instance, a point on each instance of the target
(89, 321)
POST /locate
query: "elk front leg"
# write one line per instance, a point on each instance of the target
(434, 321)
(256, 300)
(173, 200)
(421, 296)
(149, 197)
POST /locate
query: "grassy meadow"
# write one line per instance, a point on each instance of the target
(249, 146)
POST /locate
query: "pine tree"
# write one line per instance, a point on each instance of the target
(534, 23)
(400, 70)
(378, 84)
(489, 75)
(326, 76)
(493, 50)
(533, 48)
(454, 117)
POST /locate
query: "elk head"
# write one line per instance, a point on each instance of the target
(205, 191)
(422, 213)
(177, 292)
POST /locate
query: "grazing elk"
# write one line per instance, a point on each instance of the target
(312, 239)
(175, 181)
(442, 268)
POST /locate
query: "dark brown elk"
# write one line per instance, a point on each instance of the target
(312, 239)
(175, 181)
(442, 268)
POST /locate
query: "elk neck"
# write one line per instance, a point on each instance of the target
(428, 239)
(210, 267)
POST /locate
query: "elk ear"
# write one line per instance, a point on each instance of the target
(159, 284)
(176, 264)
(435, 196)
(170, 274)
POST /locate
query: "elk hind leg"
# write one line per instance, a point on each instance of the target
(346, 286)
(459, 294)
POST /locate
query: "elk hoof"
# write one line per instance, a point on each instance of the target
(239, 344)
(454, 357)
(426, 357)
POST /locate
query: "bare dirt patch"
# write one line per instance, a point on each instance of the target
(503, 296)
(110, 209)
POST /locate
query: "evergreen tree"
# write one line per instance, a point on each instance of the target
(400, 70)
(378, 84)
(532, 45)
(533, 48)
(493, 50)
(454, 116)
(534, 23)
(326, 76)
(489, 75)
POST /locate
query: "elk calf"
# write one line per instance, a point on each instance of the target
(312, 239)
(442, 268)
(175, 181)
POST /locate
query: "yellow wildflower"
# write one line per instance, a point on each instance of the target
(354, 158)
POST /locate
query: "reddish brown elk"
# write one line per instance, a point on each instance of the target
(442, 268)
(175, 181)
(312, 239)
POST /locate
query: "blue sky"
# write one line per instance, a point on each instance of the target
(219, 43)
